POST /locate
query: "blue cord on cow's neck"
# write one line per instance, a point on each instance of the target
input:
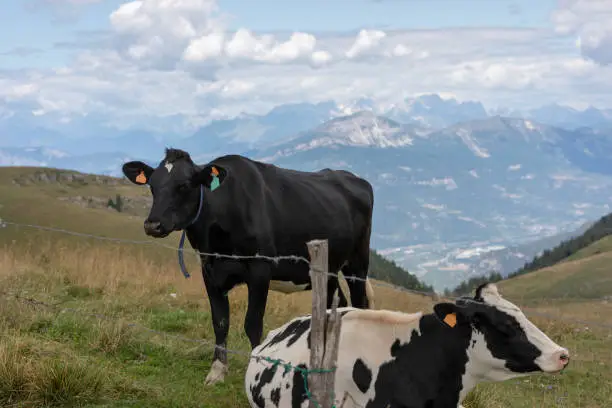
(182, 241)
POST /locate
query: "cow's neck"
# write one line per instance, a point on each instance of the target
(482, 365)
(449, 349)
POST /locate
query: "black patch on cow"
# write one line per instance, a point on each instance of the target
(275, 396)
(257, 376)
(362, 375)
(298, 393)
(287, 386)
(427, 370)
(293, 332)
(478, 292)
(266, 377)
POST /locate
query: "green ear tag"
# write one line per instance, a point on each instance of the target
(214, 183)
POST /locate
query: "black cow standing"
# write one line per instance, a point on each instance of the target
(245, 207)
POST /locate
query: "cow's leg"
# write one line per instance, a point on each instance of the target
(358, 268)
(258, 283)
(357, 287)
(333, 283)
(219, 306)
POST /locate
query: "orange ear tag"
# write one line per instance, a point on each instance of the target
(215, 172)
(141, 178)
(451, 319)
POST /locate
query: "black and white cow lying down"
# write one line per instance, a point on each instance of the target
(402, 360)
(237, 206)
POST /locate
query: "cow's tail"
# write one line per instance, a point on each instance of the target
(370, 294)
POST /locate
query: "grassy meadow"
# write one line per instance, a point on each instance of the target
(63, 355)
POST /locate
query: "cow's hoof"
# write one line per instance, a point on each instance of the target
(217, 373)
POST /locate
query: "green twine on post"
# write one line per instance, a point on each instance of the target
(304, 371)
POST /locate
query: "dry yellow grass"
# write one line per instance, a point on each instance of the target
(133, 367)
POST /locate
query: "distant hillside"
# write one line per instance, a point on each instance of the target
(582, 276)
(467, 287)
(581, 279)
(108, 206)
(594, 241)
(602, 228)
(388, 271)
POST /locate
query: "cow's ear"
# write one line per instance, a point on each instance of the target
(450, 314)
(211, 176)
(137, 172)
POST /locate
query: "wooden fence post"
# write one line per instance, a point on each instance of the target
(325, 335)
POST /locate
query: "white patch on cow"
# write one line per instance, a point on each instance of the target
(482, 365)
(375, 350)
(287, 286)
(169, 166)
(383, 316)
(217, 373)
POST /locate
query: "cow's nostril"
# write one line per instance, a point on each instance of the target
(152, 225)
(564, 358)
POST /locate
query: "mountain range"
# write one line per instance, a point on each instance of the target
(459, 190)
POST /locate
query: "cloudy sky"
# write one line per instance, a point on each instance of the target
(206, 58)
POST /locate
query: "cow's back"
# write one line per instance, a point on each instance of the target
(364, 345)
(293, 207)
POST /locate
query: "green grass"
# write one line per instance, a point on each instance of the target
(602, 246)
(586, 277)
(53, 359)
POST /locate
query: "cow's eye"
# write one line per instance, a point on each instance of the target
(182, 188)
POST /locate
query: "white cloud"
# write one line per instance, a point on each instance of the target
(162, 33)
(226, 88)
(321, 58)
(177, 57)
(245, 45)
(589, 20)
(366, 40)
(206, 47)
(156, 33)
(21, 90)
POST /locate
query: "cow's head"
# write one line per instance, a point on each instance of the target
(175, 185)
(505, 343)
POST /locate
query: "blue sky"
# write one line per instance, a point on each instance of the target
(73, 54)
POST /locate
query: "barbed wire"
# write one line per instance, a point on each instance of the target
(296, 258)
(274, 259)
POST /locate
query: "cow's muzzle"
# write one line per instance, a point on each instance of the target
(556, 361)
(155, 229)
